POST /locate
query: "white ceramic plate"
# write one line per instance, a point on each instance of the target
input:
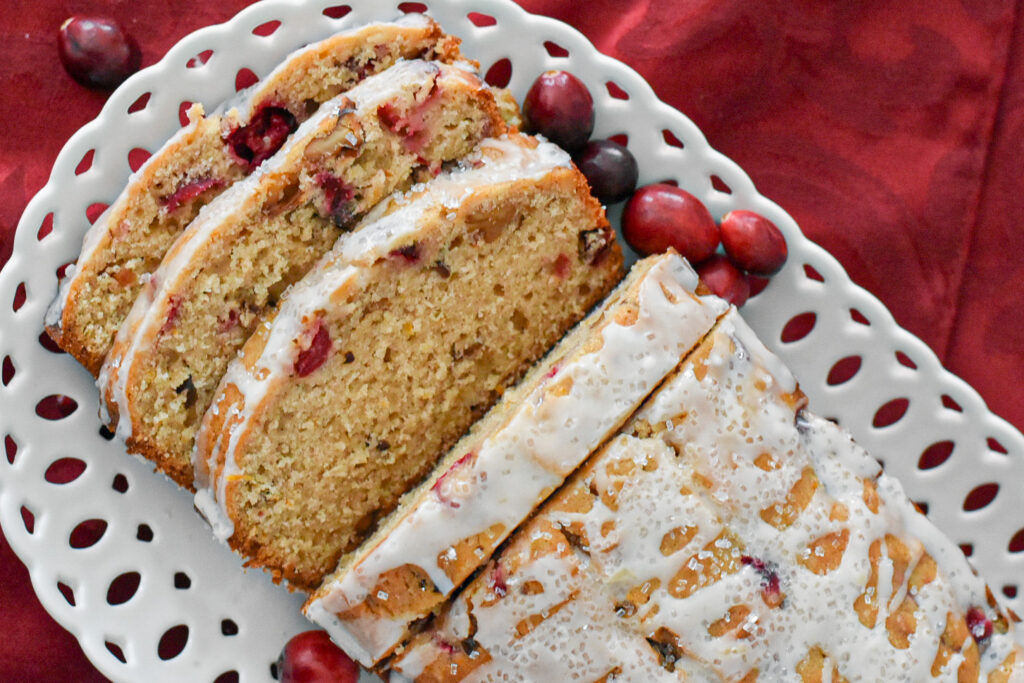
(237, 621)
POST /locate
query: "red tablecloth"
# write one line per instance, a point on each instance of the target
(891, 131)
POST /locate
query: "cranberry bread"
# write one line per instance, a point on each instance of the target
(206, 157)
(236, 259)
(514, 458)
(742, 538)
(398, 341)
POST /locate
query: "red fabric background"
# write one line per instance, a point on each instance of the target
(891, 131)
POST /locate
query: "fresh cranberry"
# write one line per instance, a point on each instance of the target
(978, 624)
(97, 51)
(610, 169)
(661, 216)
(753, 242)
(724, 279)
(256, 142)
(313, 356)
(311, 657)
(559, 107)
(190, 191)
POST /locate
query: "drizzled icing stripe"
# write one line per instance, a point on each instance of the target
(389, 225)
(694, 537)
(240, 108)
(149, 311)
(548, 434)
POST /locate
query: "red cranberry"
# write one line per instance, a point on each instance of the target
(441, 490)
(311, 657)
(724, 279)
(97, 51)
(412, 125)
(189, 191)
(409, 254)
(610, 169)
(559, 107)
(173, 312)
(662, 216)
(337, 197)
(253, 144)
(771, 590)
(753, 242)
(978, 624)
(499, 585)
(312, 357)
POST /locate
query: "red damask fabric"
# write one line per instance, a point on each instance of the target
(891, 131)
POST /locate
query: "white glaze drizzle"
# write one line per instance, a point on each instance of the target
(148, 313)
(718, 425)
(241, 107)
(546, 437)
(498, 160)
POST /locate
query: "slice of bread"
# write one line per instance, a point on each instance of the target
(400, 339)
(246, 247)
(206, 157)
(738, 537)
(538, 434)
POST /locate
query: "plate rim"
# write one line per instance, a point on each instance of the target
(802, 249)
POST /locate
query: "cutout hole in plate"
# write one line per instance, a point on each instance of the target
(798, 327)
(114, 649)
(199, 60)
(266, 29)
(137, 157)
(140, 103)
(85, 163)
(480, 19)
(87, 534)
(172, 642)
(7, 374)
(66, 592)
(123, 588)
(64, 470)
(981, 496)
(844, 370)
(890, 413)
(935, 455)
(56, 407)
(616, 91)
(183, 112)
(11, 447)
(555, 50)
(47, 343)
(244, 78)
(500, 73)
(337, 11)
(46, 227)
